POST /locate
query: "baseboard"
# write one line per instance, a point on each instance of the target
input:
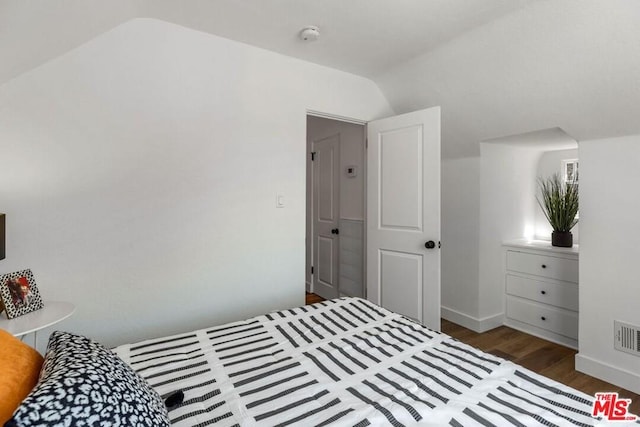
(308, 286)
(611, 374)
(473, 323)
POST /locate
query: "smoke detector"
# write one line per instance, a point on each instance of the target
(309, 33)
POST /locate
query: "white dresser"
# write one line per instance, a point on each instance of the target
(541, 290)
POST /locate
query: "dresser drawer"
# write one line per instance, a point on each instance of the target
(545, 266)
(545, 317)
(563, 295)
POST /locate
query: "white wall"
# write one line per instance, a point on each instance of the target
(486, 201)
(507, 211)
(139, 175)
(352, 190)
(609, 280)
(460, 239)
(552, 63)
(551, 163)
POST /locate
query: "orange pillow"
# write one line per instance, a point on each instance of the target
(19, 371)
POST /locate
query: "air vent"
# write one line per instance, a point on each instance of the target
(627, 337)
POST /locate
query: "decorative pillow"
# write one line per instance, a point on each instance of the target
(19, 370)
(84, 384)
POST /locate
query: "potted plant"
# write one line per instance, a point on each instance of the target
(559, 202)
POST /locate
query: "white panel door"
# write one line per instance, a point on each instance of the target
(403, 215)
(326, 211)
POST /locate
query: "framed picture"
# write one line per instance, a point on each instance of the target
(570, 169)
(19, 293)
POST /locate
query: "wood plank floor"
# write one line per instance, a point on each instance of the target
(313, 298)
(543, 357)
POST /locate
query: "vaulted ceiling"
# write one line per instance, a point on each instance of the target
(364, 37)
(497, 67)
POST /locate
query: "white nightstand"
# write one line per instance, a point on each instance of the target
(52, 313)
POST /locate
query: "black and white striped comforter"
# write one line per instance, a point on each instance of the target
(345, 362)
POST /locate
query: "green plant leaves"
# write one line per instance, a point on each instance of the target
(559, 202)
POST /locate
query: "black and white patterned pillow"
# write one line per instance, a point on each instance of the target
(84, 384)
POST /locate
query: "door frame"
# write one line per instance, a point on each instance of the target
(309, 170)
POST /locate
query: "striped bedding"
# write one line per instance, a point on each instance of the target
(345, 362)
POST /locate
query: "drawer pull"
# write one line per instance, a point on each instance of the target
(543, 318)
(543, 292)
(544, 266)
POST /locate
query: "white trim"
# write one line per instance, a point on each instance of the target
(336, 117)
(310, 166)
(470, 322)
(351, 219)
(614, 375)
(542, 333)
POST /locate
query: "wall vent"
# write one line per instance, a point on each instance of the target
(627, 337)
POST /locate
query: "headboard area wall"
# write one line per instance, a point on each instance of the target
(141, 174)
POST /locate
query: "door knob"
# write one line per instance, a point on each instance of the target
(335, 231)
(430, 244)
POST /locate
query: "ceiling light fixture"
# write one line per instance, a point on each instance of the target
(309, 33)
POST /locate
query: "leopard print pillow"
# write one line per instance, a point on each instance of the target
(84, 384)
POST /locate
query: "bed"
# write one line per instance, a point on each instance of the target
(344, 362)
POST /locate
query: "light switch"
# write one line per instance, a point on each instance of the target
(279, 201)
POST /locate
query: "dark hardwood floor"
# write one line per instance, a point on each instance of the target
(543, 357)
(313, 298)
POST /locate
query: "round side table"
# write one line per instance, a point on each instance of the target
(30, 323)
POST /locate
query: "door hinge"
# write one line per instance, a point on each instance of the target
(313, 156)
(312, 269)
(366, 143)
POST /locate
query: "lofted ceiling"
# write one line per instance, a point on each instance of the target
(496, 67)
(364, 37)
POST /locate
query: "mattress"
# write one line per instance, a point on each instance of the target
(345, 362)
